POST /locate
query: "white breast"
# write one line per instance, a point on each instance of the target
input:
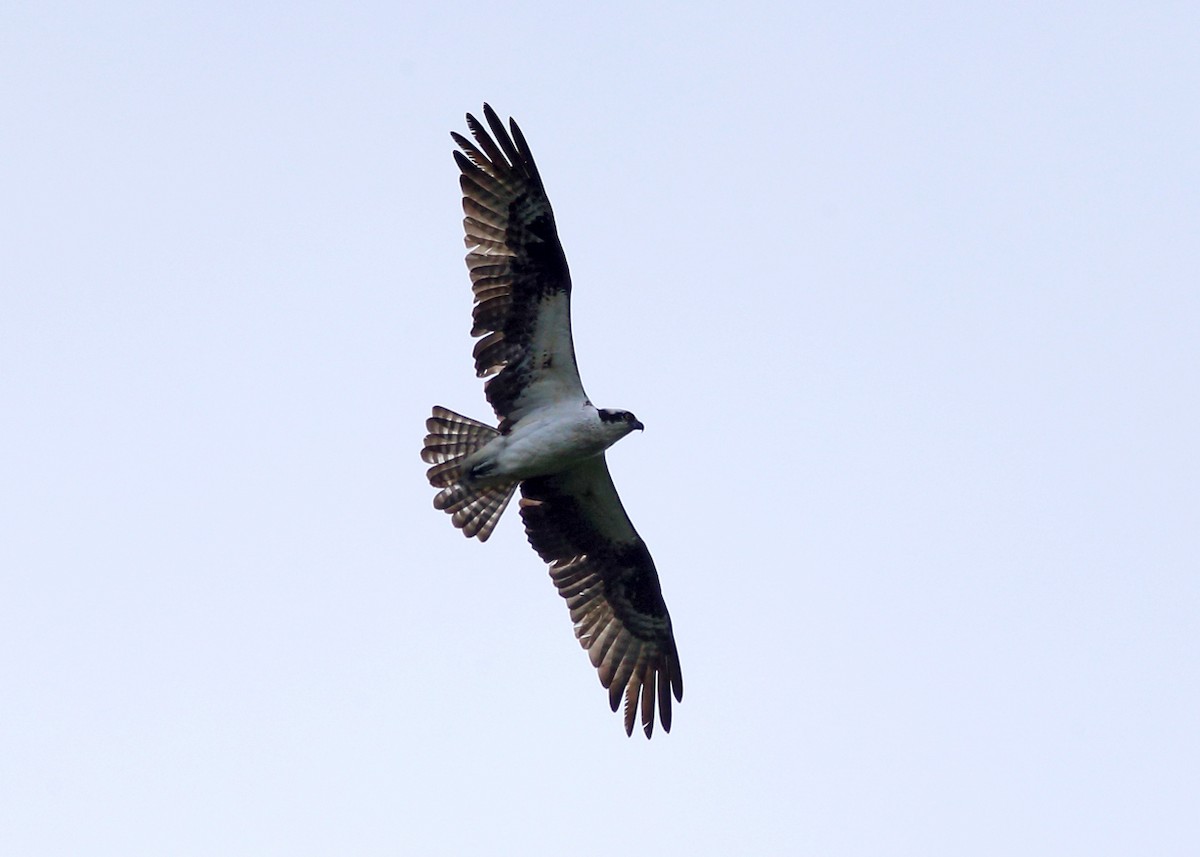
(553, 439)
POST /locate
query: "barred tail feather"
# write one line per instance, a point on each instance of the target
(475, 511)
(452, 437)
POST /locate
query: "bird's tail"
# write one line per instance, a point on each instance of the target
(474, 509)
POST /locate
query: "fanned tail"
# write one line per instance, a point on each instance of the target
(474, 509)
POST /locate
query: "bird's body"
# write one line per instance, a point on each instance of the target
(548, 440)
(551, 440)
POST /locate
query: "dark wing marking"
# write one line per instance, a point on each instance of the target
(518, 273)
(600, 565)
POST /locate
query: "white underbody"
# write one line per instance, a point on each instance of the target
(548, 440)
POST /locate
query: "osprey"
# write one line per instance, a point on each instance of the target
(551, 439)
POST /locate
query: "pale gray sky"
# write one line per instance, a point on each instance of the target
(906, 297)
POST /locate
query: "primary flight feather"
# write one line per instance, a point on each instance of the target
(551, 439)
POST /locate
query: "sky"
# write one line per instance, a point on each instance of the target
(906, 297)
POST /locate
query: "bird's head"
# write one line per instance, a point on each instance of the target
(621, 418)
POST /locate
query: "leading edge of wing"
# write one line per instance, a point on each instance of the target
(601, 566)
(519, 273)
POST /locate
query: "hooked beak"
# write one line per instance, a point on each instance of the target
(637, 425)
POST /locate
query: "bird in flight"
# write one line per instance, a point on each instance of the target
(551, 439)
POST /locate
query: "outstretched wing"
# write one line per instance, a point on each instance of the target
(518, 273)
(601, 566)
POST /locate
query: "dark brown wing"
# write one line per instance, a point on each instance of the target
(600, 565)
(518, 274)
